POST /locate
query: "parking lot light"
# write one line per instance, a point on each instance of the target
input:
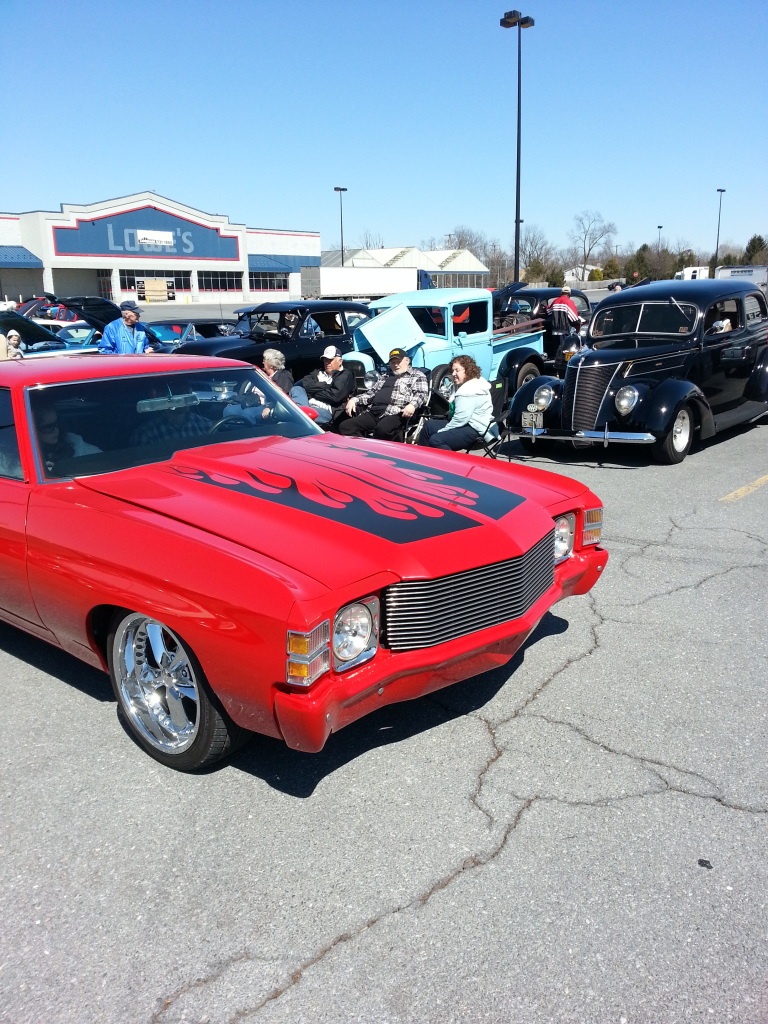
(514, 19)
(339, 189)
(719, 210)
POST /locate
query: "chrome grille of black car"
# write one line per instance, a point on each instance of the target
(424, 613)
(583, 392)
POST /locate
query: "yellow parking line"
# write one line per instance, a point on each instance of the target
(742, 492)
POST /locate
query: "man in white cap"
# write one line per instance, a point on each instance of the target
(327, 390)
(126, 336)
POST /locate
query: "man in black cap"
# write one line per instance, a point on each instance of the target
(393, 398)
(126, 336)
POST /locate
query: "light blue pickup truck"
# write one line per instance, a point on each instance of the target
(436, 324)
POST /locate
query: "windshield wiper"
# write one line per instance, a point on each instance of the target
(673, 299)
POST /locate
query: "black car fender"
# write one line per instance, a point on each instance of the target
(757, 384)
(514, 360)
(524, 397)
(662, 404)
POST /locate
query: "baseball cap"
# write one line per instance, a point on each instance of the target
(565, 290)
(398, 353)
(131, 305)
(331, 352)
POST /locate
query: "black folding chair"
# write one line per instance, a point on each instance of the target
(491, 441)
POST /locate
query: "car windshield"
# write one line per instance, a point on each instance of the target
(75, 335)
(100, 426)
(644, 320)
(171, 333)
(258, 324)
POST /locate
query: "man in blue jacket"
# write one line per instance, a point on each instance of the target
(126, 336)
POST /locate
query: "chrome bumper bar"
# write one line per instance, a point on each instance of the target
(604, 437)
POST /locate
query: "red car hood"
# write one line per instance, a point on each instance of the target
(341, 510)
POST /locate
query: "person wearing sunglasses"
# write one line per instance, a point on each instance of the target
(54, 442)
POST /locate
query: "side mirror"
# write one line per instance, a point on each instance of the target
(309, 411)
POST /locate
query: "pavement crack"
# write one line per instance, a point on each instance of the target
(218, 971)
(469, 864)
(655, 767)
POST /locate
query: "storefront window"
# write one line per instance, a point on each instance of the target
(267, 282)
(181, 278)
(219, 281)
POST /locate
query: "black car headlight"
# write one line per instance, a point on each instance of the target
(543, 396)
(626, 399)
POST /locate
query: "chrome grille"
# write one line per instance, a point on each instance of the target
(583, 392)
(424, 613)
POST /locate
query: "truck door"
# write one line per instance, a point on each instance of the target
(471, 332)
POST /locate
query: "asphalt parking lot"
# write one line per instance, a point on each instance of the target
(579, 837)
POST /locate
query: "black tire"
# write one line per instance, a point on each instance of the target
(183, 725)
(676, 443)
(439, 374)
(528, 371)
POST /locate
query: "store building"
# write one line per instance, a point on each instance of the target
(150, 248)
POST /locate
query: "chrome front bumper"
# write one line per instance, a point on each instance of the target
(604, 437)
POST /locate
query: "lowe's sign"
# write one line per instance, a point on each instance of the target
(145, 232)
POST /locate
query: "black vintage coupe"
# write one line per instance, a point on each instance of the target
(664, 363)
(300, 330)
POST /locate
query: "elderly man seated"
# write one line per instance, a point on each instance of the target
(327, 389)
(393, 398)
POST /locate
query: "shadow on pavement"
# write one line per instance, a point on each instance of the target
(299, 774)
(287, 770)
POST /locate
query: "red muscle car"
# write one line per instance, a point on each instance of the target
(179, 523)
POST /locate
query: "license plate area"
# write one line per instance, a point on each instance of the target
(533, 419)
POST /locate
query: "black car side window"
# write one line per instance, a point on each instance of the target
(721, 318)
(754, 309)
(10, 461)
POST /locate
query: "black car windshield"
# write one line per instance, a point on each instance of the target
(644, 320)
(100, 426)
(259, 324)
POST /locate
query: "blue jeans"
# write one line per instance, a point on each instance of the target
(300, 397)
(453, 440)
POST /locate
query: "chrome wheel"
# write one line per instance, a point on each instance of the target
(681, 431)
(156, 684)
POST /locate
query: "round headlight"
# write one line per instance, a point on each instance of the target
(370, 379)
(626, 399)
(563, 537)
(352, 629)
(542, 396)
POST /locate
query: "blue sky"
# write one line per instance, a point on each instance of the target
(257, 109)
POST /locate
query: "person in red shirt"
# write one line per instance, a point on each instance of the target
(563, 318)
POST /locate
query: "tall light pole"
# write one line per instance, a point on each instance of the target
(338, 189)
(658, 245)
(719, 210)
(510, 20)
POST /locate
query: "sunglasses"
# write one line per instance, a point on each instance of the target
(48, 428)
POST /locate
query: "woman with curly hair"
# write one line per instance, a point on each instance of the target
(471, 410)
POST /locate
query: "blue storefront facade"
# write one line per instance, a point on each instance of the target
(152, 248)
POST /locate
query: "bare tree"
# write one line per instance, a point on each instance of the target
(590, 230)
(466, 238)
(371, 240)
(534, 246)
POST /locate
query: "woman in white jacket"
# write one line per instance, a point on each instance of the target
(471, 414)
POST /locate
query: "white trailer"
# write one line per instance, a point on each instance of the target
(692, 274)
(759, 275)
